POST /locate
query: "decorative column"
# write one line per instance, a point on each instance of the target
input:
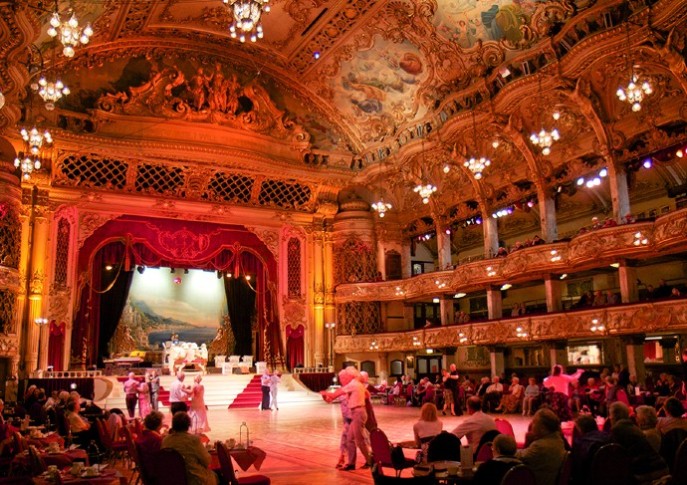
(627, 276)
(497, 361)
(406, 258)
(634, 348)
(558, 353)
(443, 248)
(318, 293)
(620, 195)
(668, 347)
(491, 236)
(547, 218)
(494, 303)
(447, 310)
(554, 290)
(328, 265)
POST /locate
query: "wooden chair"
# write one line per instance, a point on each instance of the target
(229, 474)
(519, 475)
(565, 473)
(504, 427)
(610, 466)
(166, 467)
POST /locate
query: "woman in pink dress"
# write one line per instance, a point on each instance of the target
(197, 410)
(143, 399)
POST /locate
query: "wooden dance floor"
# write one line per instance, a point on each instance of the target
(302, 440)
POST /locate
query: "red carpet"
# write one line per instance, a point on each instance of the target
(250, 397)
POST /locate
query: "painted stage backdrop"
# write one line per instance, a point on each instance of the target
(162, 303)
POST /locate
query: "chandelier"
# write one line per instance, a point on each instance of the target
(35, 139)
(51, 91)
(477, 166)
(247, 15)
(27, 164)
(634, 92)
(381, 207)
(425, 191)
(69, 33)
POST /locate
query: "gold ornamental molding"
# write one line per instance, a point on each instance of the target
(604, 246)
(647, 318)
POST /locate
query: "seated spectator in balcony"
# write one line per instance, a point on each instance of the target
(511, 402)
(663, 290)
(596, 224)
(492, 471)
(599, 298)
(502, 252)
(536, 241)
(675, 293)
(493, 395)
(673, 420)
(517, 246)
(650, 292)
(647, 422)
(532, 392)
(610, 222)
(611, 298)
(523, 309)
(378, 277)
(630, 219)
(461, 317)
(515, 312)
(586, 300)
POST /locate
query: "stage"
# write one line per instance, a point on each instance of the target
(302, 439)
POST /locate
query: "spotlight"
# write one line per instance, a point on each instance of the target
(140, 269)
(247, 277)
(228, 275)
(680, 153)
(603, 172)
(108, 267)
(316, 55)
(647, 163)
(580, 181)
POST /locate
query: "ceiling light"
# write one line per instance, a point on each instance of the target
(436, 300)
(603, 172)
(381, 207)
(459, 295)
(544, 139)
(51, 91)
(678, 153)
(615, 265)
(564, 276)
(634, 92)
(506, 286)
(425, 191)
(69, 33)
(446, 168)
(477, 166)
(247, 18)
(647, 163)
(580, 181)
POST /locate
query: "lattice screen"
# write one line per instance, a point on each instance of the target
(10, 237)
(94, 171)
(229, 187)
(294, 267)
(62, 253)
(8, 302)
(159, 179)
(354, 262)
(359, 318)
(283, 194)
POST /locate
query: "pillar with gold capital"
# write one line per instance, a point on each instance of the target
(318, 296)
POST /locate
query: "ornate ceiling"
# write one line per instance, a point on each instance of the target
(369, 96)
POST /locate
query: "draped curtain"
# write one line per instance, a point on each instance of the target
(128, 241)
(241, 305)
(295, 346)
(56, 344)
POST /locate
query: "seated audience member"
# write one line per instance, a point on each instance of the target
(645, 463)
(673, 419)
(599, 298)
(492, 395)
(532, 392)
(196, 457)
(483, 386)
(647, 421)
(588, 440)
(475, 425)
(115, 422)
(77, 424)
(428, 426)
(510, 403)
(492, 471)
(150, 439)
(545, 455)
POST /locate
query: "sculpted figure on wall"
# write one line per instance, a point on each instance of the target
(210, 95)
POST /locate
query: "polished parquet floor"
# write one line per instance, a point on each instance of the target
(302, 440)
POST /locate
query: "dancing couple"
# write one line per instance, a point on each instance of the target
(269, 384)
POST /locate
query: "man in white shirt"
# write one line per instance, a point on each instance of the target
(559, 381)
(178, 394)
(492, 397)
(131, 393)
(355, 392)
(475, 425)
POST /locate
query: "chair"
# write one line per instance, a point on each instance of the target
(487, 437)
(519, 475)
(219, 360)
(610, 466)
(114, 449)
(228, 473)
(133, 454)
(565, 473)
(485, 452)
(380, 479)
(246, 364)
(166, 467)
(231, 363)
(145, 467)
(504, 427)
(36, 463)
(670, 443)
(381, 452)
(445, 446)
(621, 396)
(679, 470)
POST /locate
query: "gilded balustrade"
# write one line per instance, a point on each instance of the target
(593, 249)
(647, 318)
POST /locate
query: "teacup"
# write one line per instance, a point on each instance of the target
(453, 471)
(77, 468)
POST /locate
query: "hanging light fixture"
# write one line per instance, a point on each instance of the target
(35, 139)
(51, 91)
(544, 139)
(636, 90)
(68, 31)
(247, 18)
(381, 207)
(27, 164)
(425, 191)
(476, 165)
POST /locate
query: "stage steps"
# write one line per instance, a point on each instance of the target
(221, 391)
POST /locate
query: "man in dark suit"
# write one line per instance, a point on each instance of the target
(492, 471)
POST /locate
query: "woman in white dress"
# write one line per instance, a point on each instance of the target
(197, 410)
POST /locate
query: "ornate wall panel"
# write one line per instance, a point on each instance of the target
(354, 261)
(10, 236)
(8, 312)
(61, 270)
(359, 318)
(294, 268)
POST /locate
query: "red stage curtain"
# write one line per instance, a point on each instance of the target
(295, 346)
(178, 244)
(56, 344)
